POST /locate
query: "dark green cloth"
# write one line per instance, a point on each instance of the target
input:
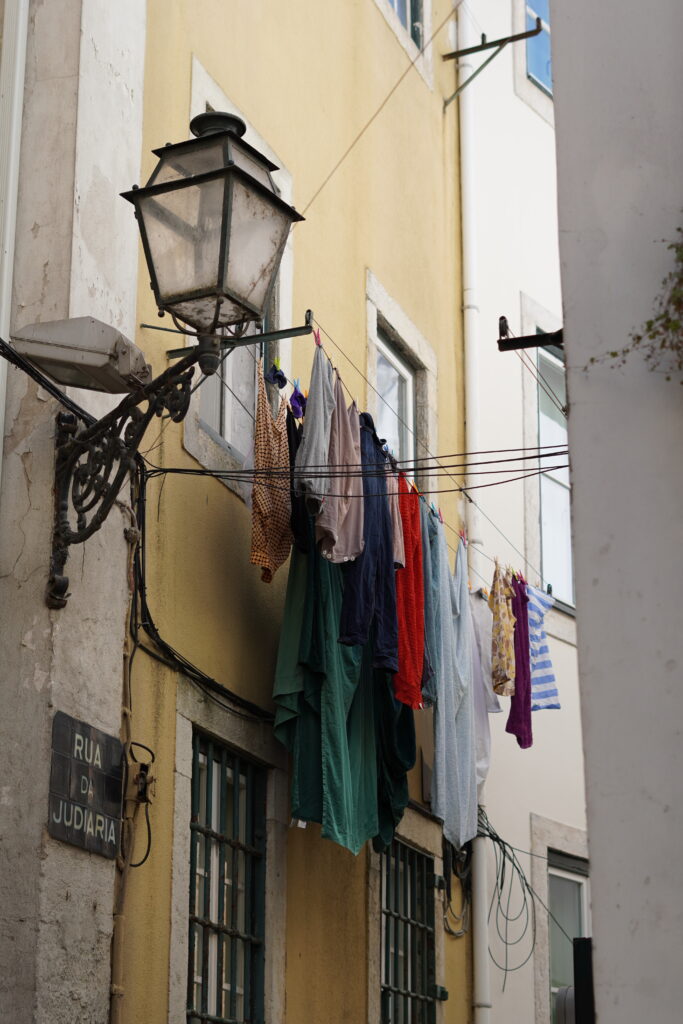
(324, 708)
(297, 697)
(352, 743)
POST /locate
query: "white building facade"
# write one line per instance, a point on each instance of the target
(534, 797)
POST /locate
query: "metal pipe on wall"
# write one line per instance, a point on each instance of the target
(480, 940)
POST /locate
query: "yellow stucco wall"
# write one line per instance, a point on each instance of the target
(308, 76)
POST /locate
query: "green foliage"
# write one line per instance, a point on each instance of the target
(660, 339)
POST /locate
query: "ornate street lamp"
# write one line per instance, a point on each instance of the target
(213, 229)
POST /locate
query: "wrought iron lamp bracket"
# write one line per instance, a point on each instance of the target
(92, 463)
(92, 460)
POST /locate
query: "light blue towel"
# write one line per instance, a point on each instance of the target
(543, 685)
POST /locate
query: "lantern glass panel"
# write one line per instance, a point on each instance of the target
(258, 231)
(183, 229)
(184, 163)
(248, 163)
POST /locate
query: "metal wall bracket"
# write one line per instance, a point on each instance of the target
(92, 461)
(229, 342)
(496, 44)
(541, 338)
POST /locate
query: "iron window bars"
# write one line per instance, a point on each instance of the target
(227, 886)
(408, 967)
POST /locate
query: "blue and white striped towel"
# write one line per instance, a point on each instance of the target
(543, 685)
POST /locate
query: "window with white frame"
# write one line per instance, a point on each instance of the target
(569, 905)
(402, 373)
(410, 22)
(228, 401)
(395, 420)
(410, 13)
(555, 490)
(228, 398)
(538, 57)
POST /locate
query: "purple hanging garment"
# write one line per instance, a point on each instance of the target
(519, 719)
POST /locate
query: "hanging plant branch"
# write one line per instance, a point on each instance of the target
(660, 339)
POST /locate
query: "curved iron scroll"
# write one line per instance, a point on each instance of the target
(92, 463)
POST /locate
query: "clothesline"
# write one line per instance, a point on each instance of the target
(251, 475)
(461, 489)
(343, 471)
(406, 464)
(348, 682)
(464, 489)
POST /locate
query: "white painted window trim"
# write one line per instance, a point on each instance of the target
(407, 373)
(584, 884)
(425, 62)
(548, 360)
(200, 439)
(252, 739)
(383, 312)
(532, 94)
(547, 834)
(532, 315)
(426, 836)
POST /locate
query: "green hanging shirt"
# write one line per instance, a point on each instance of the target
(324, 707)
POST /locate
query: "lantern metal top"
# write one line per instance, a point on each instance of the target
(217, 121)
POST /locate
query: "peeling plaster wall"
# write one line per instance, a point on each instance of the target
(76, 254)
(514, 270)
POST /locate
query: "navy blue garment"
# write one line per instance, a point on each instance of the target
(396, 753)
(369, 581)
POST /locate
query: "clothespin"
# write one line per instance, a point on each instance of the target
(414, 487)
(316, 336)
(463, 535)
(440, 517)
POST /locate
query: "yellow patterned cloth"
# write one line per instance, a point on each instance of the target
(271, 534)
(502, 634)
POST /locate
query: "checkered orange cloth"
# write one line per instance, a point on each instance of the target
(271, 534)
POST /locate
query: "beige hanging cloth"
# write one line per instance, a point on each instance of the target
(502, 635)
(271, 534)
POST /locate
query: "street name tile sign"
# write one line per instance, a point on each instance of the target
(86, 783)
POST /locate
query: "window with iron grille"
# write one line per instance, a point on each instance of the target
(227, 886)
(408, 973)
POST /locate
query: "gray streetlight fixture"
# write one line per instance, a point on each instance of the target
(213, 230)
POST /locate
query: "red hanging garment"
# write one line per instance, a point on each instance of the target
(410, 601)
